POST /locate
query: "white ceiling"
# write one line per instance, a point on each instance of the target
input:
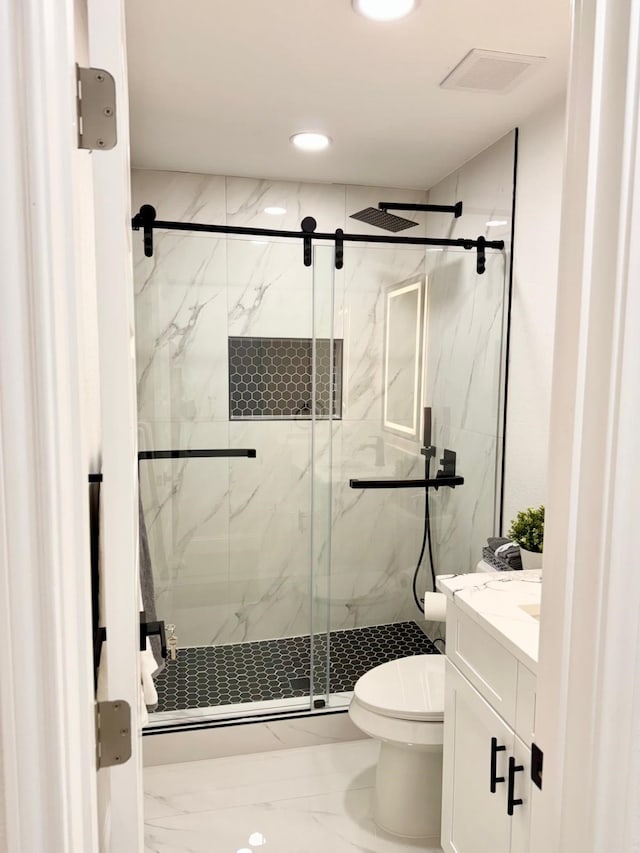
(218, 86)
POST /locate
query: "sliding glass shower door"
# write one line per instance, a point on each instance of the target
(229, 359)
(269, 394)
(417, 329)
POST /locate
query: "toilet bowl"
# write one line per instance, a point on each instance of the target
(401, 704)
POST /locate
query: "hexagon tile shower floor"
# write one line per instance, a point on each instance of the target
(210, 676)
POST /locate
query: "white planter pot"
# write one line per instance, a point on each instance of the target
(530, 559)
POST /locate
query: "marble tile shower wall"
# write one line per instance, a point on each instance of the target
(465, 357)
(230, 538)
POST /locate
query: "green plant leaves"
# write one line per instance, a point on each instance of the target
(527, 529)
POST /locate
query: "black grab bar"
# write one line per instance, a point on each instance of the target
(391, 483)
(225, 453)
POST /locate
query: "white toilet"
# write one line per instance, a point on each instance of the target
(401, 704)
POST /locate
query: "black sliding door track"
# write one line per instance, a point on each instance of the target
(146, 220)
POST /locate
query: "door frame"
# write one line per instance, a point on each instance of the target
(46, 691)
(588, 710)
(50, 434)
(122, 820)
(589, 669)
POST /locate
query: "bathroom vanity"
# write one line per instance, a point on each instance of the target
(489, 719)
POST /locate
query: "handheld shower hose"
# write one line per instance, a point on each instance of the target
(426, 545)
(428, 451)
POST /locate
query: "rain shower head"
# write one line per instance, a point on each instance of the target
(382, 219)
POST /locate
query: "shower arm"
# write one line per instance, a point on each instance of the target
(456, 208)
(146, 220)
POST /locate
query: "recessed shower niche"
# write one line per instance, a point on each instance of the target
(273, 378)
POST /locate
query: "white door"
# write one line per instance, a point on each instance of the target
(120, 788)
(67, 409)
(477, 746)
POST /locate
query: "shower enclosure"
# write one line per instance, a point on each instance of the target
(281, 583)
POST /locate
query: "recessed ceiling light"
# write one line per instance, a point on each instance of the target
(384, 10)
(311, 141)
(275, 211)
(495, 223)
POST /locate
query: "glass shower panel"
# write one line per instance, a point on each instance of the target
(224, 333)
(464, 384)
(327, 414)
(181, 331)
(420, 329)
(376, 533)
(270, 309)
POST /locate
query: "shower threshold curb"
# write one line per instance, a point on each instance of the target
(188, 741)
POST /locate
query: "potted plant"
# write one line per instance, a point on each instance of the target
(527, 529)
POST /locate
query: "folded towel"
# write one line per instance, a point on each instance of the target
(502, 554)
(147, 695)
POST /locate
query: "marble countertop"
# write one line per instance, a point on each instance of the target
(495, 601)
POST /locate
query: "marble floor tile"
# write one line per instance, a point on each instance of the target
(311, 799)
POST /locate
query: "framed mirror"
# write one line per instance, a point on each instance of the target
(403, 356)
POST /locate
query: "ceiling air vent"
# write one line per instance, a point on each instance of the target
(490, 71)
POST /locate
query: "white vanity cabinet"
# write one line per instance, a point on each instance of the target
(488, 731)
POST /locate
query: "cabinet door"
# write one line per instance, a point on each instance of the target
(521, 820)
(473, 818)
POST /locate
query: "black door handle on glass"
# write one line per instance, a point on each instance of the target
(152, 629)
(495, 749)
(513, 769)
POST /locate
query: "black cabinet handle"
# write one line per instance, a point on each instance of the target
(495, 749)
(513, 769)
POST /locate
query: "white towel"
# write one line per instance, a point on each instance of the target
(148, 696)
(148, 666)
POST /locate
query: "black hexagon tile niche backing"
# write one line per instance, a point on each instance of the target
(210, 676)
(272, 378)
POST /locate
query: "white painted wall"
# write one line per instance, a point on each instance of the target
(535, 276)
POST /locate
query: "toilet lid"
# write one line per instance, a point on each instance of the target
(408, 689)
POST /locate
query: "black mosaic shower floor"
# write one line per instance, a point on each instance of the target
(207, 676)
